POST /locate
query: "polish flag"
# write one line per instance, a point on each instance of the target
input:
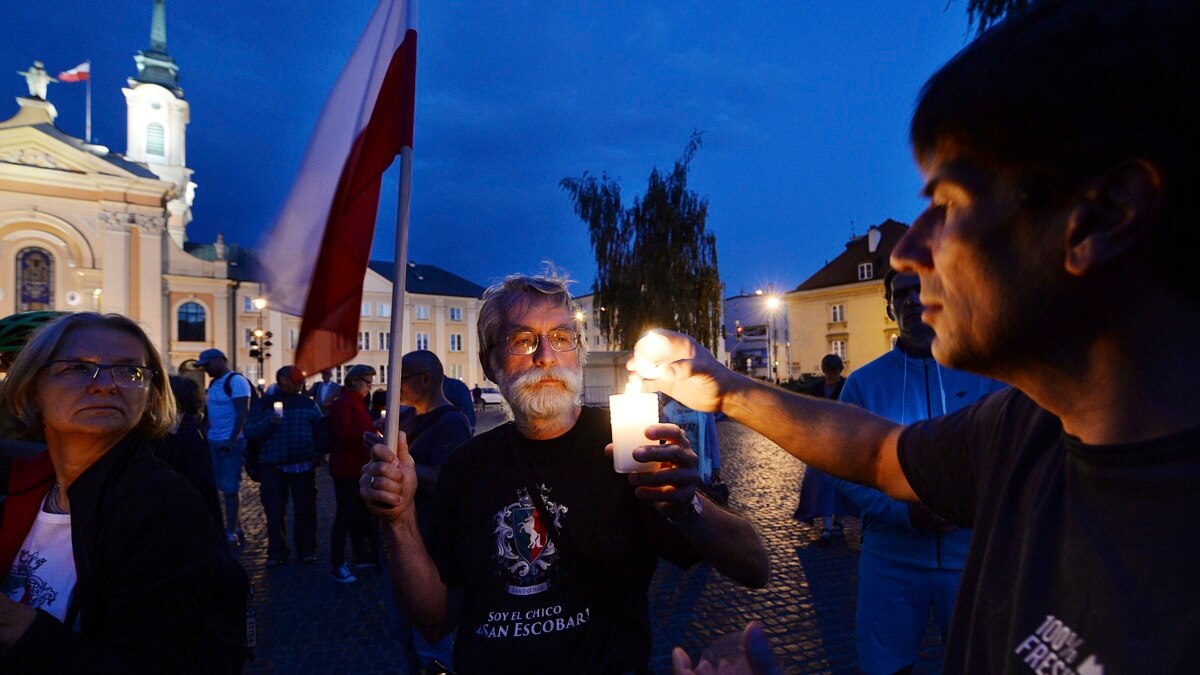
(79, 73)
(315, 257)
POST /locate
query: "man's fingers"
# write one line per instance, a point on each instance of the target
(670, 433)
(664, 494)
(758, 651)
(679, 477)
(681, 663)
(382, 453)
(671, 454)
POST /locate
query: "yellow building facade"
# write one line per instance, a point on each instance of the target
(841, 309)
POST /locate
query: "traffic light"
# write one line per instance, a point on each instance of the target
(739, 331)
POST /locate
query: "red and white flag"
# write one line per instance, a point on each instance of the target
(315, 257)
(79, 73)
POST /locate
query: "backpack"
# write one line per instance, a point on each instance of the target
(253, 447)
(254, 395)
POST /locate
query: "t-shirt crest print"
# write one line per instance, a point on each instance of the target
(524, 548)
(35, 592)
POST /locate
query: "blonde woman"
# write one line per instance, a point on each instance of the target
(121, 569)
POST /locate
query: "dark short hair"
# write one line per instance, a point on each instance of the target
(1060, 93)
(832, 362)
(425, 362)
(189, 398)
(887, 285)
(379, 398)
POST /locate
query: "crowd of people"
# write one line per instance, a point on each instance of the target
(1024, 461)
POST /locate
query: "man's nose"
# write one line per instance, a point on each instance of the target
(543, 354)
(912, 253)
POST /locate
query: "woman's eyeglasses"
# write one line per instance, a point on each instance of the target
(82, 372)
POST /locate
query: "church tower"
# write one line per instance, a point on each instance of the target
(157, 117)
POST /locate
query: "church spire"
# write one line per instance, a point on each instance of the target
(155, 65)
(158, 27)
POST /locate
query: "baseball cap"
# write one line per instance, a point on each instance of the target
(209, 355)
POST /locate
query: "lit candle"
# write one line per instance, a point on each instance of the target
(650, 354)
(631, 413)
(383, 413)
(279, 408)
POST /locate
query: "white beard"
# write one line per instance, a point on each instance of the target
(542, 403)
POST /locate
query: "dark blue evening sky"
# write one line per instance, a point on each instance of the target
(804, 105)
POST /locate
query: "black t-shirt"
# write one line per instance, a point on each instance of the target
(1085, 559)
(558, 597)
(432, 437)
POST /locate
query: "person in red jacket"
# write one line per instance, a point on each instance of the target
(349, 419)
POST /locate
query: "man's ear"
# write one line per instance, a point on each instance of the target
(1119, 211)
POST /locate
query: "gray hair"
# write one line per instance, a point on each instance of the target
(520, 290)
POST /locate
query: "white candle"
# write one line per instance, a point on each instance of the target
(383, 413)
(278, 408)
(631, 413)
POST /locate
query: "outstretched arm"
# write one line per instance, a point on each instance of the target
(728, 542)
(842, 440)
(388, 485)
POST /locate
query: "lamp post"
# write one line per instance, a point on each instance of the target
(260, 341)
(772, 308)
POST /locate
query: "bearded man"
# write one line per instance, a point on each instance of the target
(544, 549)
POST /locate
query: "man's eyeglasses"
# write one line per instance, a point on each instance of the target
(523, 342)
(80, 373)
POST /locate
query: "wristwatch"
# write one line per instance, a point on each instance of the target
(695, 508)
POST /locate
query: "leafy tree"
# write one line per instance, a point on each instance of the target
(656, 265)
(984, 13)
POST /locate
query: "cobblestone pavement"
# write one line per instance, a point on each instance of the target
(308, 623)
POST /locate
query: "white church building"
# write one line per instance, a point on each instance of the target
(83, 227)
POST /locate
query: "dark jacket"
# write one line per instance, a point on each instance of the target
(292, 439)
(155, 590)
(186, 451)
(818, 389)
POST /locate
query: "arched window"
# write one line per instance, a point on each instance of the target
(191, 322)
(155, 143)
(35, 279)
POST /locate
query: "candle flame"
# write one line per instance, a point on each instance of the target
(650, 354)
(634, 386)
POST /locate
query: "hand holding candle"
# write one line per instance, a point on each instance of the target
(278, 408)
(631, 413)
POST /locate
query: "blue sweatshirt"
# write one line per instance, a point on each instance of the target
(907, 389)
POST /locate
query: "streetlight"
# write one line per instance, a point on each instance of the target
(772, 307)
(261, 339)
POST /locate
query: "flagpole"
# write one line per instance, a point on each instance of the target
(87, 133)
(399, 281)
